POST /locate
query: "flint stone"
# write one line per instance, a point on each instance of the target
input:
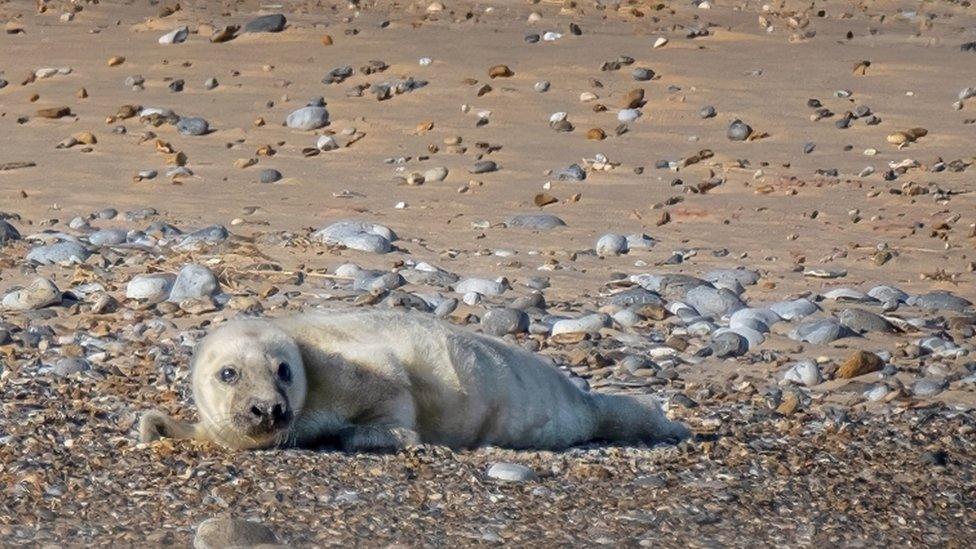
(794, 310)
(820, 332)
(511, 472)
(538, 222)
(499, 322)
(729, 277)
(8, 232)
(211, 235)
(357, 235)
(153, 288)
(192, 125)
(754, 338)
(266, 23)
(635, 296)
(611, 244)
(62, 252)
(71, 365)
(754, 318)
(219, 533)
(805, 372)
(940, 301)
(308, 118)
(710, 302)
(482, 286)
(862, 321)
(369, 281)
(729, 344)
(193, 282)
(587, 324)
(40, 293)
(888, 294)
(108, 237)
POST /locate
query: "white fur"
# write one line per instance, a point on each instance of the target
(387, 379)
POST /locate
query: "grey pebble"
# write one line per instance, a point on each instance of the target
(511, 472)
(266, 23)
(193, 281)
(192, 125)
(499, 322)
(308, 118)
(218, 533)
(62, 252)
(862, 321)
(611, 244)
(270, 175)
(738, 130)
(71, 365)
(707, 112)
(8, 232)
(539, 222)
(819, 332)
(357, 235)
(729, 344)
(484, 166)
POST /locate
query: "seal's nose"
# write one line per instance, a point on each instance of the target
(269, 413)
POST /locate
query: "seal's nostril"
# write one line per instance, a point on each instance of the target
(256, 411)
(278, 411)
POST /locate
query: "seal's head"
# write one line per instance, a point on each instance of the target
(249, 384)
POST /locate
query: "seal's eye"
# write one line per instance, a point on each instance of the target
(227, 375)
(284, 372)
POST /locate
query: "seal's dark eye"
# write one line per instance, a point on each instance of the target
(227, 375)
(284, 372)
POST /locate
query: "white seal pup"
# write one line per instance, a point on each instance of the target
(383, 380)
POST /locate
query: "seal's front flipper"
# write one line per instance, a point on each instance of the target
(377, 438)
(154, 425)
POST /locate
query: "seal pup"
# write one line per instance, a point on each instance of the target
(384, 380)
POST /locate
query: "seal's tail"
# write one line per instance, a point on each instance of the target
(627, 418)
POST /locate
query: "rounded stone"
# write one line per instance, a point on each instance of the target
(729, 344)
(218, 533)
(538, 222)
(270, 175)
(511, 472)
(194, 281)
(266, 23)
(62, 252)
(192, 125)
(307, 118)
(40, 293)
(499, 322)
(153, 288)
(71, 365)
(738, 130)
(611, 244)
(805, 372)
(588, 324)
(8, 232)
(107, 237)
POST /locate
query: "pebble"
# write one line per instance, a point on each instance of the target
(71, 365)
(589, 324)
(357, 235)
(511, 472)
(939, 301)
(538, 222)
(176, 36)
(805, 372)
(192, 126)
(482, 286)
(858, 364)
(611, 244)
(819, 332)
(713, 303)
(308, 118)
(62, 252)
(193, 282)
(210, 83)
(434, 175)
(573, 173)
(738, 130)
(500, 322)
(541, 86)
(642, 74)
(927, 387)
(707, 112)
(153, 288)
(8, 233)
(483, 166)
(40, 293)
(266, 23)
(270, 175)
(108, 237)
(729, 344)
(219, 533)
(861, 321)
(628, 115)
(794, 310)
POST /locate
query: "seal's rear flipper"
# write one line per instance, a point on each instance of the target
(627, 418)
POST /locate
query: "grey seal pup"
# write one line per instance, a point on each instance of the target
(383, 380)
